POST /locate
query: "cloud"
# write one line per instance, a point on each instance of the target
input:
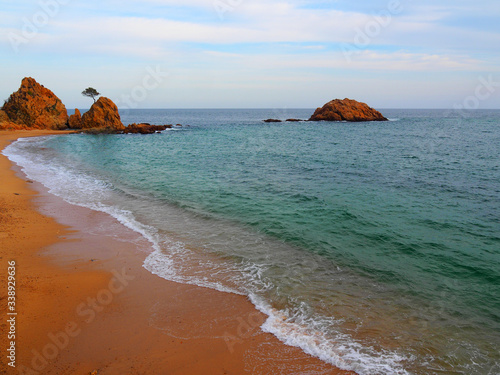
(255, 21)
(365, 61)
(255, 42)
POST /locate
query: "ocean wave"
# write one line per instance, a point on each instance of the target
(302, 331)
(69, 181)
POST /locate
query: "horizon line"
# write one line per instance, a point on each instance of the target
(294, 108)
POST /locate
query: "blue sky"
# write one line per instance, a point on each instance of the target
(255, 53)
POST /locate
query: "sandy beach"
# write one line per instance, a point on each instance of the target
(85, 304)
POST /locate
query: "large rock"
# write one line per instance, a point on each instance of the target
(35, 107)
(102, 114)
(75, 120)
(346, 110)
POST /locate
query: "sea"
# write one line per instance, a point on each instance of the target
(373, 246)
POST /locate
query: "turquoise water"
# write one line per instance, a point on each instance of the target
(374, 246)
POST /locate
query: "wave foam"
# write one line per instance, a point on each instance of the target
(295, 329)
(309, 334)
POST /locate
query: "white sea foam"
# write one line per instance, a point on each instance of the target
(162, 264)
(74, 186)
(86, 191)
(298, 329)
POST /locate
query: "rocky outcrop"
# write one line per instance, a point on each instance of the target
(102, 114)
(34, 107)
(145, 128)
(3, 116)
(75, 120)
(287, 120)
(346, 110)
(6, 124)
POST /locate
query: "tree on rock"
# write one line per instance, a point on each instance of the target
(91, 93)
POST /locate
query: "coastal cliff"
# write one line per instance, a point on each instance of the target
(33, 107)
(346, 110)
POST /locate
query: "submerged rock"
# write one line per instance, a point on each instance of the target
(293, 120)
(34, 107)
(272, 120)
(346, 110)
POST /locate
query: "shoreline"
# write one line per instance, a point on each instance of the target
(86, 303)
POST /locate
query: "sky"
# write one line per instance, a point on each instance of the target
(256, 53)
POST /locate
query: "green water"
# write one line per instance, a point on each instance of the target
(383, 237)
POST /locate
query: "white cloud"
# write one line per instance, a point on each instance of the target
(365, 61)
(255, 21)
(273, 44)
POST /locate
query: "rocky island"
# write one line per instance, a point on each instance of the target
(346, 110)
(341, 110)
(102, 114)
(35, 107)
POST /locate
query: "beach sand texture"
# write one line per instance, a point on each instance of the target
(86, 305)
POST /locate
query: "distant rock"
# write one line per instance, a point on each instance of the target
(145, 128)
(293, 120)
(272, 120)
(346, 110)
(34, 107)
(75, 121)
(102, 114)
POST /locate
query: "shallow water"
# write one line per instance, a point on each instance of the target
(374, 246)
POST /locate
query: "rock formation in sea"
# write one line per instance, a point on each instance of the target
(145, 128)
(102, 114)
(346, 110)
(272, 120)
(75, 120)
(33, 107)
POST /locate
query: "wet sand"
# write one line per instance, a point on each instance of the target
(86, 305)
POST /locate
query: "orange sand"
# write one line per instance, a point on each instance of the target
(76, 316)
